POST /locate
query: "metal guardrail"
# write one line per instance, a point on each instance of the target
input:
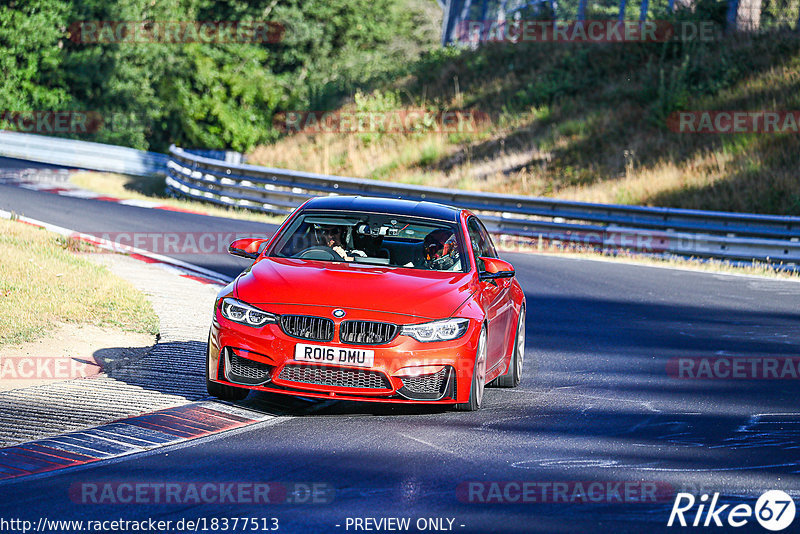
(81, 154)
(735, 236)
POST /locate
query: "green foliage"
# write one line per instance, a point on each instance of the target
(430, 153)
(376, 102)
(30, 56)
(206, 94)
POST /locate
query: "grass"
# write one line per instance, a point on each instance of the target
(43, 281)
(584, 122)
(153, 189)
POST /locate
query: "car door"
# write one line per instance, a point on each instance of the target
(494, 295)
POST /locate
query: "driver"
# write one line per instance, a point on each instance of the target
(441, 250)
(332, 236)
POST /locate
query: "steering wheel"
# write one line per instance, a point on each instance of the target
(319, 252)
(445, 263)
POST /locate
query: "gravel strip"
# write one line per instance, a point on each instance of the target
(170, 374)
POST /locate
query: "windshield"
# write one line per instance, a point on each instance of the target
(372, 238)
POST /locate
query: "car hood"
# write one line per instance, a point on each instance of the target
(414, 292)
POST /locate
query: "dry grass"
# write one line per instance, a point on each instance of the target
(43, 283)
(393, 158)
(153, 189)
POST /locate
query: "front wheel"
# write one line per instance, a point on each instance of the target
(222, 391)
(478, 378)
(514, 374)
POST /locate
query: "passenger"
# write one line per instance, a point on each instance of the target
(441, 250)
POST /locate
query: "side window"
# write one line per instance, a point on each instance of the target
(490, 250)
(481, 243)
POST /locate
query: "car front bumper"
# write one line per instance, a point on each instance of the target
(404, 369)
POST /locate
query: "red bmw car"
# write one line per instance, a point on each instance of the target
(370, 299)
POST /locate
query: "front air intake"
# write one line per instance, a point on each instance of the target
(334, 376)
(245, 372)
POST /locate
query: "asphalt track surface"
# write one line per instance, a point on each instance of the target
(596, 404)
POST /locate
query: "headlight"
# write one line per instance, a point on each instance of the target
(239, 312)
(444, 330)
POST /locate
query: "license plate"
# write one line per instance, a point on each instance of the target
(334, 355)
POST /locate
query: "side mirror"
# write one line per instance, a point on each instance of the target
(246, 247)
(496, 268)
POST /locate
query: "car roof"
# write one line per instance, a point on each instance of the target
(394, 206)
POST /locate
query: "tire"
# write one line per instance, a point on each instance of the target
(223, 391)
(514, 374)
(478, 384)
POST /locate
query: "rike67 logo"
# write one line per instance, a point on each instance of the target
(774, 510)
